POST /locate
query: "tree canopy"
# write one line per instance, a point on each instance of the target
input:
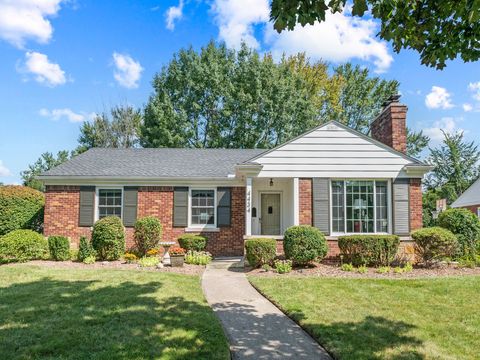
(219, 97)
(437, 30)
(45, 162)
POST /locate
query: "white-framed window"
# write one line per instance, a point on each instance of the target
(360, 206)
(202, 207)
(109, 202)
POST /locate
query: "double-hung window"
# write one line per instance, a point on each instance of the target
(360, 206)
(109, 202)
(202, 208)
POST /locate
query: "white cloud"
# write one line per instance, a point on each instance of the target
(128, 71)
(172, 14)
(339, 38)
(236, 20)
(467, 107)
(58, 114)
(44, 71)
(27, 19)
(475, 88)
(438, 98)
(4, 171)
(446, 124)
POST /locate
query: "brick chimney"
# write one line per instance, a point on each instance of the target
(389, 127)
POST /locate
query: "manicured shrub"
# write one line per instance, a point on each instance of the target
(147, 233)
(21, 207)
(376, 250)
(347, 267)
(59, 247)
(108, 238)
(23, 245)
(192, 242)
(303, 244)
(434, 243)
(198, 257)
(85, 249)
(466, 226)
(283, 266)
(260, 251)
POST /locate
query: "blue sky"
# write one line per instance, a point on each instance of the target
(62, 61)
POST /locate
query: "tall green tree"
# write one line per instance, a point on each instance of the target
(456, 166)
(120, 129)
(45, 162)
(226, 98)
(437, 30)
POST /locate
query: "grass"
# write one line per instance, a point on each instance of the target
(105, 314)
(383, 319)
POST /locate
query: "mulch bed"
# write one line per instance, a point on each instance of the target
(323, 270)
(121, 265)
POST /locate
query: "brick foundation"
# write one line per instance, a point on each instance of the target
(62, 207)
(305, 201)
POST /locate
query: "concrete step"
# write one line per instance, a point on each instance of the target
(227, 263)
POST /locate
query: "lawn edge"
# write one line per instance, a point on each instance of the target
(333, 356)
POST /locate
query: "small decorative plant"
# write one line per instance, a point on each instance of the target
(176, 251)
(362, 269)
(283, 266)
(148, 261)
(130, 258)
(89, 260)
(383, 269)
(198, 257)
(347, 267)
(153, 252)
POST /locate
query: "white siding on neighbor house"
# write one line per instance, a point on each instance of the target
(334, 152)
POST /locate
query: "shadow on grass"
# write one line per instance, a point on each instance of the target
(372, 338)
(79, 320)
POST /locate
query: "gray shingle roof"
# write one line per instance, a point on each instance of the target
(154, 163)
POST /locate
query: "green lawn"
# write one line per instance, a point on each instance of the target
(384, 319)
(105, 314)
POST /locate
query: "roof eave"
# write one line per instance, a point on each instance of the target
(419, 170)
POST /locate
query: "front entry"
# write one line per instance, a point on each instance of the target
(270, 217)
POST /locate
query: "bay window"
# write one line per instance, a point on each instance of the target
(359, 206)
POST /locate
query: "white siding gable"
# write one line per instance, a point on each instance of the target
(332, 151)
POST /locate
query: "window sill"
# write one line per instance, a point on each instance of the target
(201, 229)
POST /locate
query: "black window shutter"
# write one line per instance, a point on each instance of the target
(87, 206)
(130, 196)
(180, 206)
(224, 205)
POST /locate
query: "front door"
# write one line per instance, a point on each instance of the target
(270, 220)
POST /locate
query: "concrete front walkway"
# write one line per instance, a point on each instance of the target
(256, 329)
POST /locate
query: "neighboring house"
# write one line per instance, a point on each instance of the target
(331, 177)
(470, 199)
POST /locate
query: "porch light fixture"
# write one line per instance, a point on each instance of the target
(271, 182)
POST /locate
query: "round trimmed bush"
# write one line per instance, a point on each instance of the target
(303, 244)
(23, 245)
(434, 243)
(192, 242)
(21, 207)
(59, 247)
(260, 251)
(147, 234)
(466, 226)
(108, 238)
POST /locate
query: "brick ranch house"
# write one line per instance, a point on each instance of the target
(470, 199)
(331, 177)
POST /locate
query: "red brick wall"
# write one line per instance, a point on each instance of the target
(416, 207)
(473, 208)
(62, 206)
(305, 201)
(390, 127)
